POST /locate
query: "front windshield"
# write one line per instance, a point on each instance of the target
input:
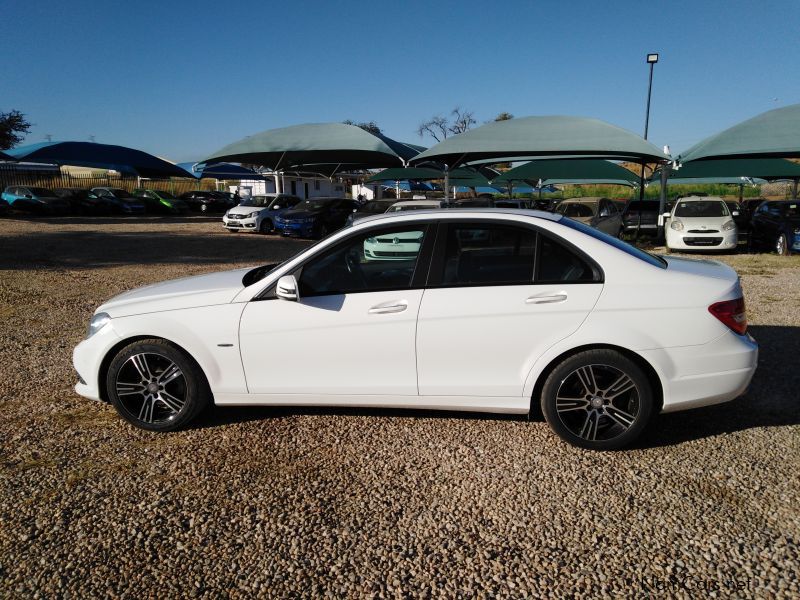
(701, 209)
(166, 195)
(119, 193)
(258, 201)
(315, 203)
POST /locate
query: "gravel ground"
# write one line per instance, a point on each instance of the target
(352, 503)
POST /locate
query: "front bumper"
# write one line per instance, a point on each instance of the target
(294, 228)
(87, 358)
(246, 224)
(684, 240)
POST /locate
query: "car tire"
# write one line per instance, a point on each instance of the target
(203, 208)
(156, 386)
(781, 245)
(265, 227)
(322, 231)
(598, 400)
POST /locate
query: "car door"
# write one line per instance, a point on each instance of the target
(353, 329)
(500, 294)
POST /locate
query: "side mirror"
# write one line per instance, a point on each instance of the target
(667, 215)
(276, 207)
(735, 213)
(287, 288)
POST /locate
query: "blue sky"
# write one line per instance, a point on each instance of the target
(182, 79)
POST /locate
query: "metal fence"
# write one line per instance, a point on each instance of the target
(53, 179)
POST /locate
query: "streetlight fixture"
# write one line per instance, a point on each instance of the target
(652, 59)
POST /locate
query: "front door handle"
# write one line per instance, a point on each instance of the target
(392, 306)
(547, 299)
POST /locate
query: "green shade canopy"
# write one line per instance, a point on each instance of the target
(348, 146)
(573, 170)
(464, 177)
(578, 181)
(401, 174)
(775, 133)
(761, 168)
(542, 136)
(704, 180)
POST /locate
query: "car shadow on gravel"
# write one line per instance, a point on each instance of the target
(101, 249)
(118, 219)
(771, 401)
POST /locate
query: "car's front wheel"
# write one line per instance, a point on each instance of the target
(597, 399)
(156, 386)
(265, 227)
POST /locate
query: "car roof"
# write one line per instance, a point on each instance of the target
(700, 198)
(462, 212)
(584, 200)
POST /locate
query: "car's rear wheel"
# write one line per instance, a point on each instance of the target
(781, 246)
(156, 386)
(597, 399)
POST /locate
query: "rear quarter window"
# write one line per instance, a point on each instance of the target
(656, 261)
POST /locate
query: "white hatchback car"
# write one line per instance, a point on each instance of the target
(497, 311)
(257, 214)
(701, 223)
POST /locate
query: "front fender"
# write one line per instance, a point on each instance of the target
(210, 334)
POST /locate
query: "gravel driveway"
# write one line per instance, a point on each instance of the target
(352, 503)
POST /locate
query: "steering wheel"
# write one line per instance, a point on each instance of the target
(354, 268)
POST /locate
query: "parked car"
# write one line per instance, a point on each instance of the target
(701, 223)
(229, 198)
(85, 201)
(257, 213)
(586, 324)
(405, 205)
(749, 207)
(124, 202)
(739, 217)
(372, 207)
(478, 202)
(159, 201)
(776, 225)
(600, 213)
(510, 203)
(36, 200)
(315, 217)
(393, 247)
(205, 201)
(641, 215)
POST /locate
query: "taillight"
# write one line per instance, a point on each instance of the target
(731, 313)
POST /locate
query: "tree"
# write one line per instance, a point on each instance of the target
(371, 126)
(13, 128)
(439, 127)
(504, 116)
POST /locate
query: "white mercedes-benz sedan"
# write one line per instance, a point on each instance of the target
(495, 311)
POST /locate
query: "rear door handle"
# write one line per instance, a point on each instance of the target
(392, 306)
(548, 299)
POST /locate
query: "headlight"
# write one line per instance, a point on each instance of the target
(676, 225)
(728, 226)
(797, 231)
(98, 321)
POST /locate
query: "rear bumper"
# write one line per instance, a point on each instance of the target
(711, 373)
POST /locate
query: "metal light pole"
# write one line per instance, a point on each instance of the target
(652, 59)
